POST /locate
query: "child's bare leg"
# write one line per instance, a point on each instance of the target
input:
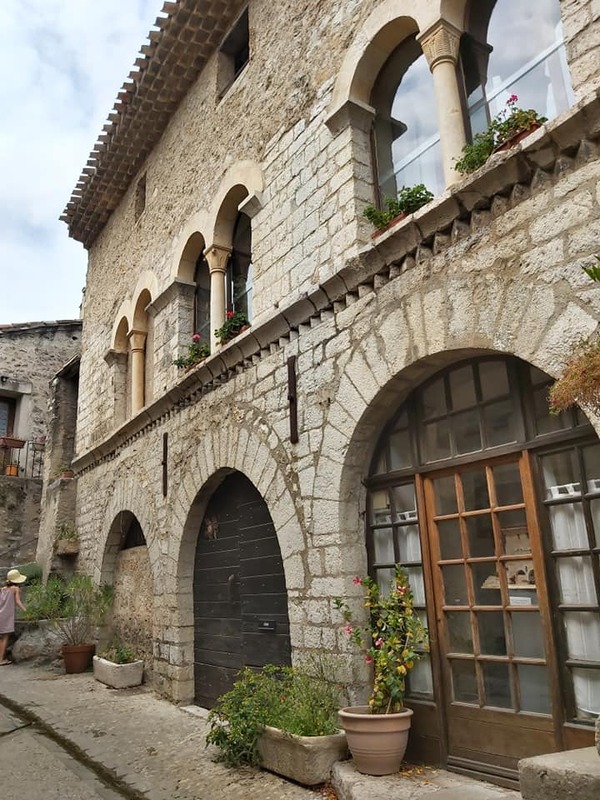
(3, 644)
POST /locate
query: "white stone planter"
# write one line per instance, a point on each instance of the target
(305, 759)
(119, 676)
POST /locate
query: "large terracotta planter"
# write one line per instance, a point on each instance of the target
(77, 657)
(377, 741)
(304, 759)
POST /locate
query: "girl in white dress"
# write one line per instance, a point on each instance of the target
(10, 596)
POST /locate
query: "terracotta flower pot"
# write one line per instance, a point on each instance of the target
(390, 224)
(12, 470)
(377, 741)
(518, 137)
(77, 657)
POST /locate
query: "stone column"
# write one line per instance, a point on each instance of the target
(441, 46)
(137, 350)
(217, 257)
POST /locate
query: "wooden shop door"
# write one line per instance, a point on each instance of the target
(240, 597)
(492, 615)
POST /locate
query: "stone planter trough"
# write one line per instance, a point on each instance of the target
(119, 676)
(305, 759)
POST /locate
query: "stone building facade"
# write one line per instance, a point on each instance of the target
(388, 401)
(30, 354)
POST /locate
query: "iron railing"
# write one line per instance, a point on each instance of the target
(20, 458)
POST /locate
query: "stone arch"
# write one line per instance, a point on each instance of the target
(241, 181)
(192, 249)
(120, 332)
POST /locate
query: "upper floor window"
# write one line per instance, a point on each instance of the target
(240, 281)
(234, 54)
(407, 141)
(7, 415)
(513, 48)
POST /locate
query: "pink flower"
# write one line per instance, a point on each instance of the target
(357, 581)
(379, 642)
(349, 630)
(196, 338)
(368, 660)
(229, 314)
(513, 98)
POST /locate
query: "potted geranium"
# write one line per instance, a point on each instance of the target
(507, 128)
(235, 322)
(392, 640)
(283, 719)
(408, 200)
(197, 351)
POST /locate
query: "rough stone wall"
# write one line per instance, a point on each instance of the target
(30, 355)
(581, 23)
(133, 602)
(493, 266)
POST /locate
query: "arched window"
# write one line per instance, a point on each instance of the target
(202, 298)
(513, 48)
(407, 141)
(239, 271)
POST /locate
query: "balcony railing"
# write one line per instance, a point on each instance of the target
(20, 458)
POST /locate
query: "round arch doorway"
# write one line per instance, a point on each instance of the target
(240, 597)
(493, 505)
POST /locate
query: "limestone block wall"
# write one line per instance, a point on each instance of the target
(581, 21)
(493, 266)
(19, 520)
(133, 602)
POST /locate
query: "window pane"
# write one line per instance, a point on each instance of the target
(436, 441)
(545, 422)
(514, 532)
(455, 587)
(400, 452)
(481, 536)
(561, 475)
(535, 692)
(522, 590)
(384, 546)
(415, 578)
(586, 683)
(492, 639)
(568, 527)
(595, 511)
(583, 635)
(500, 422)
(462, 388)
(496, 679)
(420, 679)
(409, 544)
(405, 504)
(528, 638)
(591, 459)
(433, 398)
(507, 480)
(459, 632)
(449, 535)
(445, 495)
(467, 435)
(576, 580)
(464, 683)
(493, 379)
(475, 490)
(384, 578)
(486, 585)
(380, 507)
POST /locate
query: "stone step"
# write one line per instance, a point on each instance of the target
(473, 792)
(556, 776)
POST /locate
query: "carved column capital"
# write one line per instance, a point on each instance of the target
(217, 257)
(137, 340)
(440, 43)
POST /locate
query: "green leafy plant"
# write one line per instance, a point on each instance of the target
(289, 698)
(67, 531)
(234, 322)
(510, 121)
(580, 380)
(119, 653)
(408, 200)
(393, 639)
(196, 352)
(76, 607)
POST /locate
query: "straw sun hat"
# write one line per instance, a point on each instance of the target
(14, 576)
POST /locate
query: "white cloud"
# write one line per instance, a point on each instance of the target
(63, 62)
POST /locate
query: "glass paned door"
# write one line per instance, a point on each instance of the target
(492, 617)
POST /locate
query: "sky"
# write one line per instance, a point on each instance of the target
(62, 63)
